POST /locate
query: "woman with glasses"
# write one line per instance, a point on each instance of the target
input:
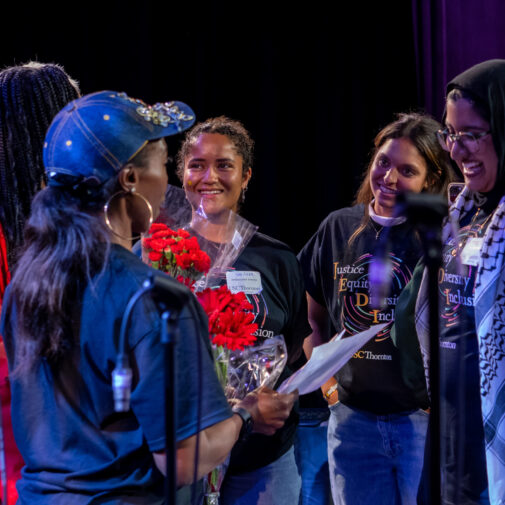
(471, 287)
(377, 425)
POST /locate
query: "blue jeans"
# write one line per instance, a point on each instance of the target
(375, 459)
(275, 484)
(311, 451)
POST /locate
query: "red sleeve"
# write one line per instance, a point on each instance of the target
(4, 267)
(13, 460)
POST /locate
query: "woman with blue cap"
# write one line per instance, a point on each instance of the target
(105, 161)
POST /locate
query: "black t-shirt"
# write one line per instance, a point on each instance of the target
(279, 309)
(76, 448)
(462, 433)
(336, 276)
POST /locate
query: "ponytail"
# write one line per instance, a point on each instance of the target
(66, 244)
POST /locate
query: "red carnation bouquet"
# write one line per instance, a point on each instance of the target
(231, 328)
(230, 323)
(175, 252)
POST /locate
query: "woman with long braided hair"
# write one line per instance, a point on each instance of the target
(30, 96)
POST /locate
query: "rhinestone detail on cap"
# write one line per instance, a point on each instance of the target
(161, 114)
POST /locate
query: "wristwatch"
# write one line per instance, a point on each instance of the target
(247, 421)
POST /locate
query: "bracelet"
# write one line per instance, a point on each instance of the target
(330, 391)
(247, 422)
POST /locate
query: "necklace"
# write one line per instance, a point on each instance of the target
(376, 230)
(477, 230)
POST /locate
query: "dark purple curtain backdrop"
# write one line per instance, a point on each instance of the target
(312, 92)
(312, 87)
(450, 36)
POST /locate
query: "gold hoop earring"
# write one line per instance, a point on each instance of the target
(133, 193)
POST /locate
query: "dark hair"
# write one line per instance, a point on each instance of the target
(30, 97)
(66, 244)
(481, 108)
(421, 130)
(234, 130)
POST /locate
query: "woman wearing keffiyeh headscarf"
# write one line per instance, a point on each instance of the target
(472, 293)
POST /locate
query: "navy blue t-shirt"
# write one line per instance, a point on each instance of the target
(76, 448)
(337, 277)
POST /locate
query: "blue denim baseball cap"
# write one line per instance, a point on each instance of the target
(92, 137)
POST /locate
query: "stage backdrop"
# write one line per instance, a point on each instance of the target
(312, 87)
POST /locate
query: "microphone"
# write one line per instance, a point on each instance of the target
(122, 384)
(424, 210)
(168, 293)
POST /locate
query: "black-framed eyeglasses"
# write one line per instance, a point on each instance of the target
(469, 139)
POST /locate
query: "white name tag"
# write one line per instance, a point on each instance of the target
(470, 254)
(247, 282)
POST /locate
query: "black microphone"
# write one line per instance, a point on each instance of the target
(168, 293)
(424, 210)
(421, 208)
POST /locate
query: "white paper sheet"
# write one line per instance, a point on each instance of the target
(326, 361)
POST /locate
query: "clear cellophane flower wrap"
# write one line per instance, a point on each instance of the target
(224, 236)
(243, 362)
(221, 236)
(245, 370)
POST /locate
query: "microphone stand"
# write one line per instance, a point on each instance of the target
(169, 340)
(170, 298)
(426, 212)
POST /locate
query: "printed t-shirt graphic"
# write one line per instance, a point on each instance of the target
(337, 277)
(353, 286)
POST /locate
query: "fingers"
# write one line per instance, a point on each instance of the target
(269, 409)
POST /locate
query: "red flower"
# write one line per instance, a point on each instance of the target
(202, 262)
(229, 325)
(177, 247)
(157, 244)
(155, 256)
(183, 261)
(156, 227)
(182, 233)
(176, 253)
(191, 244)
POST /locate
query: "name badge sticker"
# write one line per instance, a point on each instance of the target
(247, 282)
(471, 252)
